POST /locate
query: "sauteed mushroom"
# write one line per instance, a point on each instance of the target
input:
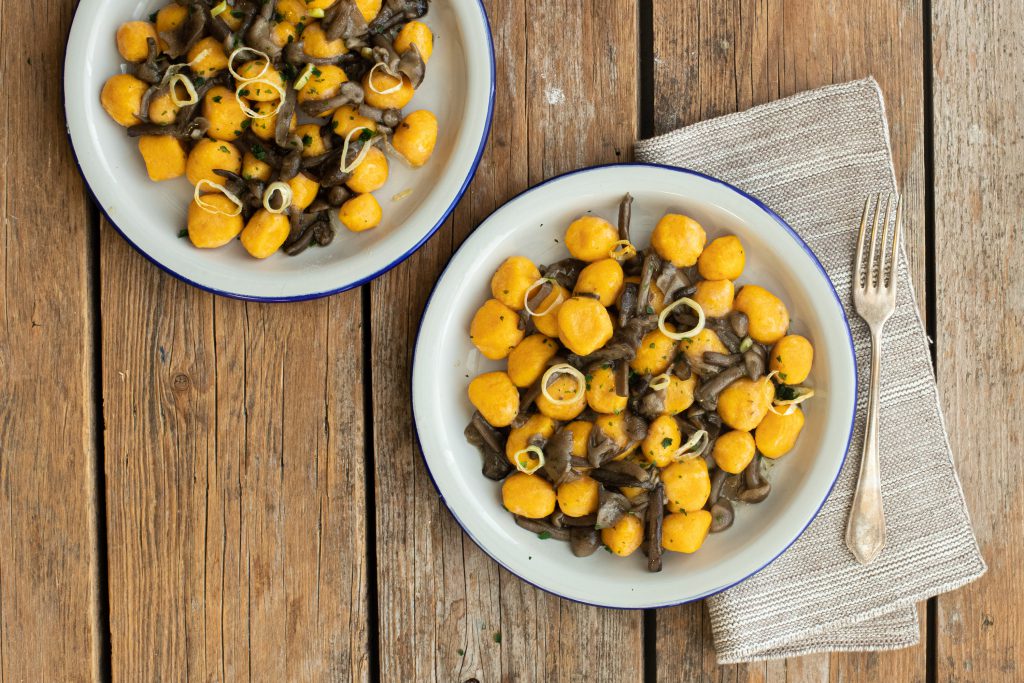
(647, 418)
(271, 71)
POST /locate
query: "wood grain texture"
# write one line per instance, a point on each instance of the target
(49, 620)
(979, 220)
(235, 482)
(713, 58)
(442, 601)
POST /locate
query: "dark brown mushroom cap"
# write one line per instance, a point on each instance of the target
(412, 65)
(672, 282)
(349, 93)
(557, 456)
(181, 40)
(560, 519)
(652, 404)
(647, 271)
(623, 473)
(539, 526)
(344, 20)
(708, 392)
(611, 508)
(627, 302)
(635, 427)
(625, 216)
(722, 515)
(600, 447)
(754, 361)
(755, 487)
(653, 519)
(610, 352)
(564, 272)
(739, 323)
(584, 541)
(151, 70)
(722, 360)
(480, 434)
(282, 132)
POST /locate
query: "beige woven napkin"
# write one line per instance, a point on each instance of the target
(813, 158)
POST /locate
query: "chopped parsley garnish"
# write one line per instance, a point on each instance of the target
(152, 17)
(317, 72)
(258, 151)
(287, 71)
(307, 140)
(544, 535)
(497, 637)
(784, 392)
(666, 442)
(237, 14)
(246, 124)
(217, 98)
(182, 233)
(365, 135)
(224, 149)
(198, 81)
(299, 26)
(244, 92)
(461, 652)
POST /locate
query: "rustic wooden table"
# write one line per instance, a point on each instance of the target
(195, 488)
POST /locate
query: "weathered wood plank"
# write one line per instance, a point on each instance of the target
(979, 219)
(442, 601)
(49, 619)
(713, 58)
(236, 494)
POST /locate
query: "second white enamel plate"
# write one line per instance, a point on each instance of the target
(533, 225)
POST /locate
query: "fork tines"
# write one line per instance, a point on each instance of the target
(884, 277)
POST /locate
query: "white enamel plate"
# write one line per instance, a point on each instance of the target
(533, 224)
(459, 89)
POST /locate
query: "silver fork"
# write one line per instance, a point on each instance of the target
(874, 295)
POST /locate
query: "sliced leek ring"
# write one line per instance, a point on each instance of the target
(525, 463)
(362, 152)
(566, 369)
(186, 82)
(386, 91)
(316, 13)
(689, 450)
(622, 250)
(402, 195)
(210, 208)
(684, 301)
(219, 9)
(282, 188)
(304, 77)
(535, 285)
(660, 382)
(231, 64)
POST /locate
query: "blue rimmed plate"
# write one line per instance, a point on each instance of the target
(459, 89)
(533, 225)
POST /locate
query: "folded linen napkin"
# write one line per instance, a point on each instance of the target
(813, 158)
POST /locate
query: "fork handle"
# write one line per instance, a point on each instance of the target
(865, 532)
